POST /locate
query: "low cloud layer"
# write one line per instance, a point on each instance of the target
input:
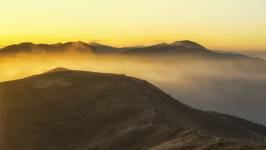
(231, 87)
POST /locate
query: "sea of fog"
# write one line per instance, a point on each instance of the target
(223, 86)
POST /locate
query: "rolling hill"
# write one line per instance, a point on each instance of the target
(77, 110)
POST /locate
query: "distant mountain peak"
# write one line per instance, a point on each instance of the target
(58, 69)
(20, 45)
(188, 44)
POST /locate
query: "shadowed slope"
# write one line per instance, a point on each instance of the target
(70, 110)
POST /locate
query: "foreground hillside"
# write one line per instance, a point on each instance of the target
(76, 110)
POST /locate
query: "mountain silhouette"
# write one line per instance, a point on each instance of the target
(51, 48)
(188, 44)
(76, 110)
(175, 49)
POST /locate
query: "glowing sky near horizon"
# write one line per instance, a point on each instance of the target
(217, 24)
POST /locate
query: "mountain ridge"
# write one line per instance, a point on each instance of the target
(176, 48)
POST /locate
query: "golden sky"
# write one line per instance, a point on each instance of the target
(217, 24)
